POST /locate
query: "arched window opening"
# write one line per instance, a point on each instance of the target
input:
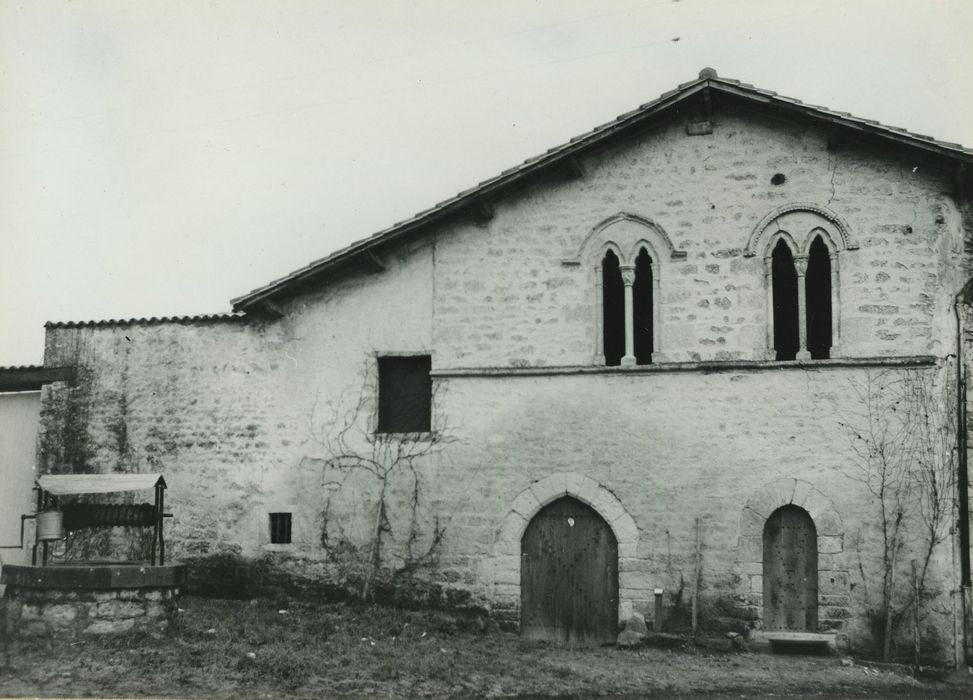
(642, 298)
(817, 289)
(786, 335)
(613, 309)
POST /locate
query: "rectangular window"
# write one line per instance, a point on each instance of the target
(404, 394)
(280, 528)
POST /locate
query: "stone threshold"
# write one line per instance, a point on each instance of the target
(795, 639)
(707, 367)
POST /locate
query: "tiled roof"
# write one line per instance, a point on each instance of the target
(154, 320)
(32, 377)
(708, 80)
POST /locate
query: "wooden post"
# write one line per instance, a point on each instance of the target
(696, 577)
(915, 605)
(657, 621)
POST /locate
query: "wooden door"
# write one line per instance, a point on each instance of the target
(569, 576)
(790, 571)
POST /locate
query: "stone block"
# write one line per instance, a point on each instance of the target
(29, 611)
(588, 490)
(556, 486)
(751, 522)
(61, 615)
(110, 626)
(526, 504)
(833, 583)
(573, 481)
(507, 591)
(636, 623)
(635, 581)
(830, 544)
(120, 609)
(802, 490)
(757, 583)
(750, 548)
(626, 531)
(834, 600)
(155, 610)
(507, 570)
(512, 529)
(749, 568)
(773, 496)
(35, 628)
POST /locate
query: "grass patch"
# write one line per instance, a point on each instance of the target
(231, 648)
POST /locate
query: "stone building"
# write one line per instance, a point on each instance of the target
(670, 354)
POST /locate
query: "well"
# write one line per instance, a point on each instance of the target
(66, 599)
(70, 600)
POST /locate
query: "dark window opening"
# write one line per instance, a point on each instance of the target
(642, 298)
(786, 334)
(404, 394)
(613, 309)
(280, 528)
(817, 289)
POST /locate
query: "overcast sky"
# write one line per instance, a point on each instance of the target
(160, 158)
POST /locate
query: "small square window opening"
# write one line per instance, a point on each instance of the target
(280, 528)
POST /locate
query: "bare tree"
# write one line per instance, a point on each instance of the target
(903, 435)
(363, 457)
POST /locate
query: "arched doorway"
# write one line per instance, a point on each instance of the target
(790, 571)
(569, 575)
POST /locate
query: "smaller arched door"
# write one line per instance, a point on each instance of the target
(790, 571)
(569, 575)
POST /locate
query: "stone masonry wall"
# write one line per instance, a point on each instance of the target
(505, 298)
(229, 410)
(32, 612)
(233, 411)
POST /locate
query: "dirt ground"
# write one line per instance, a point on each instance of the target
(259, 649)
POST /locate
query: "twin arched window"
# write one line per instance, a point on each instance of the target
(627, 310)
(800, 244)
(802, 323)
(627, 251)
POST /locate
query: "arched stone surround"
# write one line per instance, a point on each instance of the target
(833, 584)
(625, 234)
(798, 225)
(502, 571)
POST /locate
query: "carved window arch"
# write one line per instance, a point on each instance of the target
(812, 237)
(639, 247)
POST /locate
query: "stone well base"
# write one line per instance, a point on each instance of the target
(67, 601)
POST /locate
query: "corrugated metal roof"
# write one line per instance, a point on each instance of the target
(70, 484)
(154, 320)
(708, 80)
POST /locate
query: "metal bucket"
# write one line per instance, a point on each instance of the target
(50, 525)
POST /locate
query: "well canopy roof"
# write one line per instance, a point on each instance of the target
(76, 484)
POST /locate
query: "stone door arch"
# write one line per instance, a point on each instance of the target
(832, 568)
(502, 572)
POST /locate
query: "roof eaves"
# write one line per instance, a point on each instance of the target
(587, 140)
(149, 321)
(448, 206)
